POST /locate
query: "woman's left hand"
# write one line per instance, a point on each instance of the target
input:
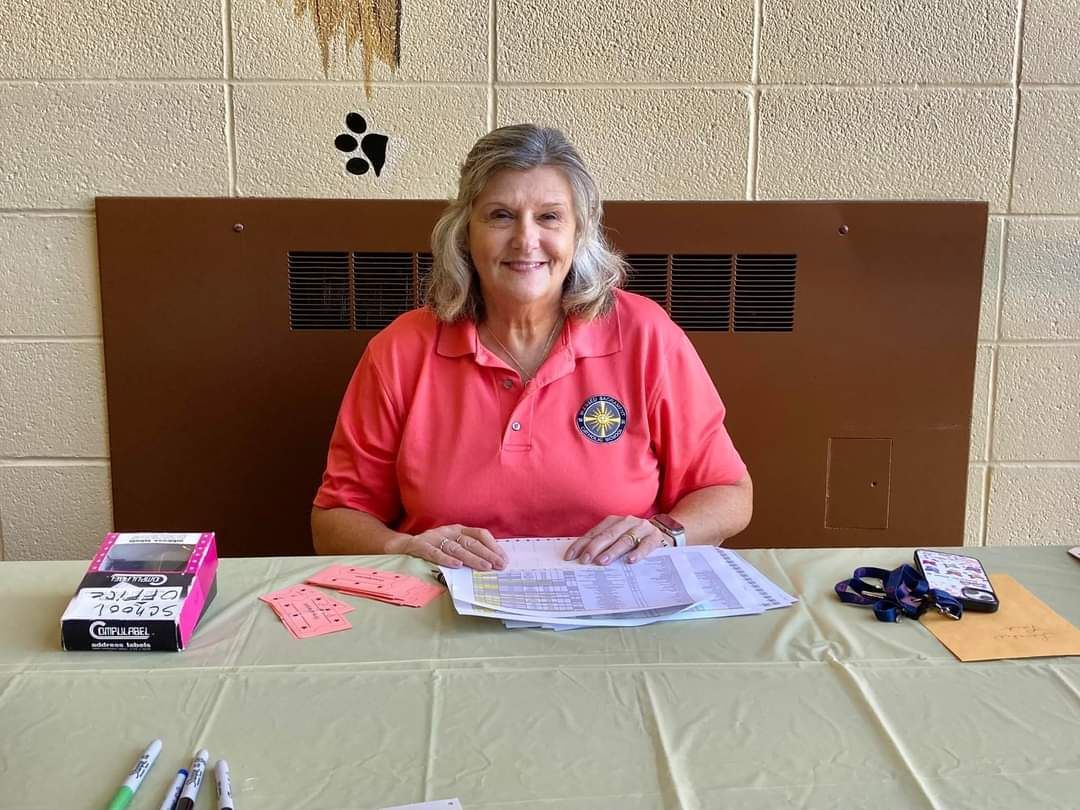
(616, 536)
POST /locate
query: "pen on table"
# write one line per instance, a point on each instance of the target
(194, 781)
(174, 790)
(224, 787)
(131, 784)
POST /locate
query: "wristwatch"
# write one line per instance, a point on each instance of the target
(671, 527)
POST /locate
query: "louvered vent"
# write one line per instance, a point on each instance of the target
(318, 290)
(706, 292)
(701, 292)
(648, 276)
(383, 285)
(362, 290)
(764, 293)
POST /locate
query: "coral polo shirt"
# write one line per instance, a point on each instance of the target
(621, 419)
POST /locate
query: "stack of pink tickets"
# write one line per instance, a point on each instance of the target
(308, 612)
(385, 586)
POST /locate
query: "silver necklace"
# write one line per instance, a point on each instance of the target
(525, 376)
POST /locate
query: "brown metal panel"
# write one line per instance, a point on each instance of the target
(219, 413)
(884, 346)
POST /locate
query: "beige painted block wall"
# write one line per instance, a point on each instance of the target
(754, 100)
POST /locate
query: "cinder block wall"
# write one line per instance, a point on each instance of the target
(760, 99)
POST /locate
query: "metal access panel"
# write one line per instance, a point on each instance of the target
(841, 336)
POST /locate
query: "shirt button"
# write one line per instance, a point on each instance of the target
(508, 384)
(515, 425)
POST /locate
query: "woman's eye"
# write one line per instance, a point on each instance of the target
(500, 214)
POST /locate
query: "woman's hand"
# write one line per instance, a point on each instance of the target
(615, 536)
(452, 546)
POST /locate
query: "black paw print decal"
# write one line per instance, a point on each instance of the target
(373, 145)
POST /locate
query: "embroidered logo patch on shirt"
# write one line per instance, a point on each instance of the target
(602, 419)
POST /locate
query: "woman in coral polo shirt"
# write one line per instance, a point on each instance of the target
(531, 397)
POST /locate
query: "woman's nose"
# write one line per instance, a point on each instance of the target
(526, 234)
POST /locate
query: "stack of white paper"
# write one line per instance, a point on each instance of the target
(540, 589)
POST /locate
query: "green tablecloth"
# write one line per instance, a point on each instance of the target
(817, 705)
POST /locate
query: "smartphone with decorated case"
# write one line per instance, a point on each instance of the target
(960, 576)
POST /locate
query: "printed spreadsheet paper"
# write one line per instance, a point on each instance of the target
(1022, 627)
(656, 582)
(538, 588)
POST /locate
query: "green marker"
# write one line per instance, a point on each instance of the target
(131, 784)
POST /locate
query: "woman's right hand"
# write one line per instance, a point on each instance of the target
(453, 546)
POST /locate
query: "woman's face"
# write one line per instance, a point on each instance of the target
(521, 237)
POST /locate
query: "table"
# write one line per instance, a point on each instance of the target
(817, 705)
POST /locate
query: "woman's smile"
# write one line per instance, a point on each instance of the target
(524, 267)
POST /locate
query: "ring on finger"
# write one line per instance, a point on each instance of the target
(633, 538)
(442, 545)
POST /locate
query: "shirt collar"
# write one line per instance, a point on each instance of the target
(456, 339)
(596, 338)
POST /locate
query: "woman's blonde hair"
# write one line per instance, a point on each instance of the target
(454, 289)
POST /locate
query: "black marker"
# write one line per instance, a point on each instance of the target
(194, 781)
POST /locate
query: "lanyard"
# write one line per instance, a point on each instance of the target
(896, 593)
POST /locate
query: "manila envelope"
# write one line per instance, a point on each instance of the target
(1023, 627)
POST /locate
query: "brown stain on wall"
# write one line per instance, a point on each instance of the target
(375, 23)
